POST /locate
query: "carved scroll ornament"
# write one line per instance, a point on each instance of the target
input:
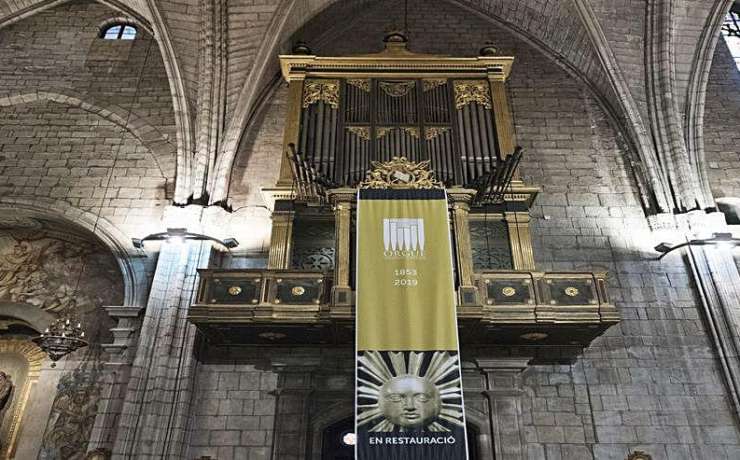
(429, 84)
(412, 131)
(326, 91)
(434, 131)
(400, 173)
(360, 83)
(467, 91)
(397, 89)
(363, 132)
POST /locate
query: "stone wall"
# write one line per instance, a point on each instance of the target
(721, 115)
(650, 383)
(233, 417)
(85, 120)
(257, 163)
(48, 271)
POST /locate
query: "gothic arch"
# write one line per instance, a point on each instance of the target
(149, 17)
(287, 20)
(693, 127)
(131, 262)
(149, 136)
(31, 315)
(18, 11)
(325, 418)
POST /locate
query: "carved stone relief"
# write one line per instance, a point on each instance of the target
(73, 413)
(58, 274)
(60, 270)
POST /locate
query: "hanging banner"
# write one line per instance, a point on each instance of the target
(409, 401)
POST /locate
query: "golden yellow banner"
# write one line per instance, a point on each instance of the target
(405, 276)
(409, 396)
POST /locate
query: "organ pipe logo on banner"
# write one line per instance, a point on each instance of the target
(409, 398)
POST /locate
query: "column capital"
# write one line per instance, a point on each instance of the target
(461, 196)
(272, 195)
(339, 196)
(521, 217)
(124, 333)
(123, 311)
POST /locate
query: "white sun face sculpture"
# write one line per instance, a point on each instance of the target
(404, 399)
(409, 401)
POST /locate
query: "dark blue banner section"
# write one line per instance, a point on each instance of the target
(410, 406)
(411, 445)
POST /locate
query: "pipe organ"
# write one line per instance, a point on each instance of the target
(347, 123)
(396, 118)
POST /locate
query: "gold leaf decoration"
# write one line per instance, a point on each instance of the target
(326, 91)
(508, 291)
(571, 291)
(235, 290)
(434, 131)
(534, 336)
(429, 84)
(397, 89)
(401, 173)
(363, 132)
(639, 455)
(381, 132)
(412, 131)
(272, 335)
(360, 83)
(467, 91)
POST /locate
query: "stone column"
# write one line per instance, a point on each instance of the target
(503, 391)
(718, 282)
(294, 389)
(341, 293)
(116, 374)
(282, 235)
(156, 408)
(460, 200)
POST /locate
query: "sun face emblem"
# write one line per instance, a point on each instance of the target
(409, 391)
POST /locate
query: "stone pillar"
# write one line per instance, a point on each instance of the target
(282, 235)
(341, 292)
(294, 389)
(460, 199)
(718, 282)
(116, 372)
(156, 408)
(503, 391)
(520, 240)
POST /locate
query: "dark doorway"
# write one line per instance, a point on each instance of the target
(337, 442)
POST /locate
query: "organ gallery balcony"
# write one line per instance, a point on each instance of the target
(294, 307)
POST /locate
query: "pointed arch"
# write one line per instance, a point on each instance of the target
(146, 14)
(131, 262)
(696, 94)
(139, 127)
(612, 101)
